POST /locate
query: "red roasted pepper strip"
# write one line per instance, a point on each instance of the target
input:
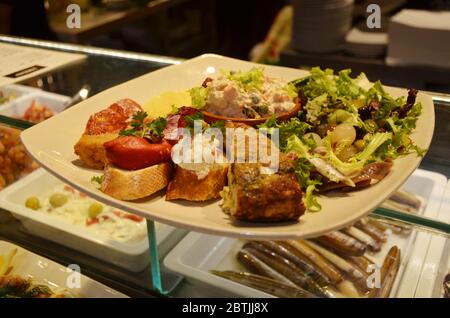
(133, 153)
(132, 217)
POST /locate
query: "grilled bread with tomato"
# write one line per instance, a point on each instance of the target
(136, 167)
(102, 127)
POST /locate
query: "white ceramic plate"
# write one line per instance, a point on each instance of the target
(54, 275)
(51, 143)
(437, 262)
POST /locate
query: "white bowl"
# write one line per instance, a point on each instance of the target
(44, 271)
(17, 107)
(16, 90)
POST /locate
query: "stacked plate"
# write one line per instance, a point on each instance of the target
(419, 37)
(366, 44)
(321, 26)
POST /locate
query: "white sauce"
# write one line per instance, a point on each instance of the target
(109, 224)
(211, 150)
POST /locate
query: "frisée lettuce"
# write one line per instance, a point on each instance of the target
(353, 122)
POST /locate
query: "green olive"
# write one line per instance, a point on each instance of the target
(95, 209)
(58, 199)
(33, 203)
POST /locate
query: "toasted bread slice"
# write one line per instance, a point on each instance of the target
(186, 184)
(135, 184)
(90, 149)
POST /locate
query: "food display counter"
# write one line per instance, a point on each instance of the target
(406, 238)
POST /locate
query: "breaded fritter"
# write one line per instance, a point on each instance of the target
(257, 197)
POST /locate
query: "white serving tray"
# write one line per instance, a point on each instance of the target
(17, 107)
(18, 90)
(45, 271)
(437, 262)
(131, 256)
(198, 253)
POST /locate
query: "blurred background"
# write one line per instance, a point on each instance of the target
(407, 43)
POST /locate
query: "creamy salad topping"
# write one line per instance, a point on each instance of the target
(250, 94)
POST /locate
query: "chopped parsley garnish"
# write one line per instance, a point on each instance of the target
(137, 125)
(140, 128)
(97, 179)
(190, 120)
(157, 127)
(219, 125)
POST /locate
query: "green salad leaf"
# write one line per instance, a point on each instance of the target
(382, 123)
(292, 127)
(303, 172)
(250, 80)
(199, 96)
(339, 98)
(375, 142)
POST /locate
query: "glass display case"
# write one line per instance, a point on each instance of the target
(178, 263)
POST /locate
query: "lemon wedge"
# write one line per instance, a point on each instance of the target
(163, 104)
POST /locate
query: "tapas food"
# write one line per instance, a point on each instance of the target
(331, 265)
(342, 134)
(16, 286)
(268, 285)
(102, 127)
(446, 285)
(251, 94)
(14, 160)
(71, 206)
(246, 97)
(254, 196)
(37, 113)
